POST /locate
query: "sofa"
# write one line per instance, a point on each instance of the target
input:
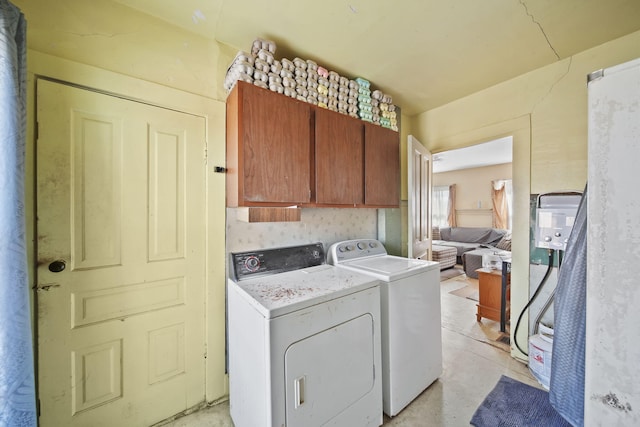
(466, 239)
(471, 243)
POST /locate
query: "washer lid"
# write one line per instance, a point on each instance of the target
(278, 294)
(390, 267)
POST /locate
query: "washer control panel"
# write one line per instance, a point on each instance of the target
(352, 249)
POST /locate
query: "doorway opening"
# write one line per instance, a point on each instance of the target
(473, 185)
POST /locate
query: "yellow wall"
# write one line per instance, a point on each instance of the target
(546, 112)
(114, 37)
(106, 46)
(555, 98)
(473, 185)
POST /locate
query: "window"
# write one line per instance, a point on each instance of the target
(440, 204)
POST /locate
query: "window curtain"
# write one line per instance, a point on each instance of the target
(508, 185)
(500, 205)
(439, 211)
(17, 390)
(451, 210)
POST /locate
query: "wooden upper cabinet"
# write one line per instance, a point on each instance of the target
(382, 166)
(269, 148)
(283, 152)
(339, 159)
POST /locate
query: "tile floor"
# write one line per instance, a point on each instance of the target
(473, 364)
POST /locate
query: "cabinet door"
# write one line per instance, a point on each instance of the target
(274, 150)
(339, 159)
(382, 167)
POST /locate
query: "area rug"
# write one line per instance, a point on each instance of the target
(468, 292)
(515, 404)
(450, 273)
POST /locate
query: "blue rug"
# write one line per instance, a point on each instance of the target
(515, 404)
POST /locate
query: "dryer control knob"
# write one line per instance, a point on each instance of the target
(361, 246)
(252, 263)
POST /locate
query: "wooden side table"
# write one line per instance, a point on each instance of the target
(491, 295)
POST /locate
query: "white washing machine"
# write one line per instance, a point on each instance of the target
(411, 323)
(303, 341)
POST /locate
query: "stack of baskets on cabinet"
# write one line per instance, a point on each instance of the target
(307, 81)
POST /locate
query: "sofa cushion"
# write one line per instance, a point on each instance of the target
(482, 235)
(445, 233)
(461, 247)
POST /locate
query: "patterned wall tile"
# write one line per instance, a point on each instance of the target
(317, 225)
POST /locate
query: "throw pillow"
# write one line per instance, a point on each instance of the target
(505, 242)
(435, 233)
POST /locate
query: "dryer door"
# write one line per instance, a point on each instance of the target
(329, 371)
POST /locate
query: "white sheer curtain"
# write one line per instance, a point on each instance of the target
(440, 205)
(17, 390)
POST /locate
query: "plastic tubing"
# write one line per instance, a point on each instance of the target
(535, 295)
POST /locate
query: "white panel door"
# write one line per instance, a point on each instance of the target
(419, 194)
(121, 259)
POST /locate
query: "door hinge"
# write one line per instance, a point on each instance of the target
(38, 407)
(37, 130)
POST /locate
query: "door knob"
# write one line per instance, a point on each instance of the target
(57, 266)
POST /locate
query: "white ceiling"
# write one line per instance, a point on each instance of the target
(425, 53)
(495, 152)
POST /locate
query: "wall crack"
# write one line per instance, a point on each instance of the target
(533, 19)
(105, 35)
(553, 85)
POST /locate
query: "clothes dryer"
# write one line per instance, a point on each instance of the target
(303, 341)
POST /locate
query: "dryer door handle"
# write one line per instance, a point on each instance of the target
(298, 385)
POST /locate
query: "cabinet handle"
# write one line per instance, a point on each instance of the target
(298, 385)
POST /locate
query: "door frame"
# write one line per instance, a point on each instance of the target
(213, 111)
(520, 129)
(425, 201)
